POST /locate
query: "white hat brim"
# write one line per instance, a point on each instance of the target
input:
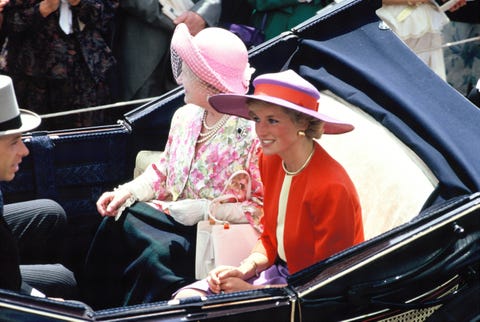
(30, 121)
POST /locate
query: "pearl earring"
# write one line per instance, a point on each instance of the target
(301, 133)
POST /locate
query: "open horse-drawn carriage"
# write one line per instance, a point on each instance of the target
(414, 157)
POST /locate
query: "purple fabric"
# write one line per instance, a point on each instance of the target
(275, 274)
(250, 36)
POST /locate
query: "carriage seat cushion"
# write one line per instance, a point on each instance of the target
(143, 159)
(392, 182)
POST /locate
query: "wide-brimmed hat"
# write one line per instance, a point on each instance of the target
(287, 89)
(12, 119)
(215, 55)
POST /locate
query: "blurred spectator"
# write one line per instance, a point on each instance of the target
(283, 15)
(236, 11)
(462, 60)
(3, 3)
(142, 44)
(237, 17)
(419, 24)
(56, 51)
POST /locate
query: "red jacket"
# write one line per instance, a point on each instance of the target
(323, 213)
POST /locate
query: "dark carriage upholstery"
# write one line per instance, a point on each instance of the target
(73, 170)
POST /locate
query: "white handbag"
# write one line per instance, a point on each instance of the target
(227, 237)
(219, 245)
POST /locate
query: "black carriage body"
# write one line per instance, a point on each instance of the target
(424, 266)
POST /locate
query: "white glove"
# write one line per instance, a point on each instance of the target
(231, 212)
(188, 212)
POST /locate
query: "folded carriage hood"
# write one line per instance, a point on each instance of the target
(346, 51)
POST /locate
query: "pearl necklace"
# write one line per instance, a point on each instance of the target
(211, 130)
(292, 173)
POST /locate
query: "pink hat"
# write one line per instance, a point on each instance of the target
(215, 55)
(287, 89)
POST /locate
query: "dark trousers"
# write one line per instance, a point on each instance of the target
(38, 226)
(143, 257)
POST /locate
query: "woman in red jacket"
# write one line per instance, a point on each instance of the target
(311, 207)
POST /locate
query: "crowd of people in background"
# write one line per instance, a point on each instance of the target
(71, 54)
(432, 29)
(462, 60)
(58, 54)
(64, 55)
